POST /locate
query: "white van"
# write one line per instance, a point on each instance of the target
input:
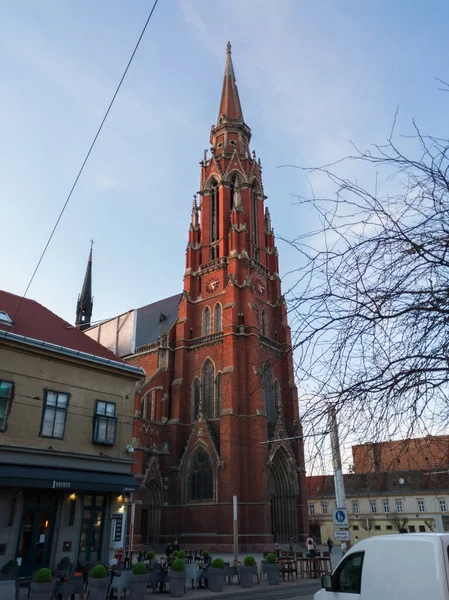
(392, 567)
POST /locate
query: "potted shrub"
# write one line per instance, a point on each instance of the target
(206, 556)
(272, 569)
(183, 556)
(151, 557)
(215, 575)
(175, 553)
(139, 581)
(246, 571)
(42, 586)
(98, 583)
(177, 578)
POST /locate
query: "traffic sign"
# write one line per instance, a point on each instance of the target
(342, 535)
(340, 517)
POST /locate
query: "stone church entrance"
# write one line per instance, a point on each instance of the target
(284, 498)
(151, 498)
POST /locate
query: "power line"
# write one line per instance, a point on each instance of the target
(86, 157)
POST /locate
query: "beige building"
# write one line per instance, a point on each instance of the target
(381, 503)
(66, 411)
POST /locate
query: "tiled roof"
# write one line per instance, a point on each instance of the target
(387, 482)
(37, 322)
(156, 319)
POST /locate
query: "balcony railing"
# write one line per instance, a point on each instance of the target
(205, 340)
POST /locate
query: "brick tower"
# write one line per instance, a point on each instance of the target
(220, 377)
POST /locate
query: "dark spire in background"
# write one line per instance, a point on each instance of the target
(85, 299)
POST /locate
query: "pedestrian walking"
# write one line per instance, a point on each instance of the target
(310, 544)
(330, 543)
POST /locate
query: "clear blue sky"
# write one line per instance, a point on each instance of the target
(312, 77)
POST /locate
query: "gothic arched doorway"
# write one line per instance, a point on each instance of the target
(151, 512)
(284, 498)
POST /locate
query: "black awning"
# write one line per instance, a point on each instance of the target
(65, 479)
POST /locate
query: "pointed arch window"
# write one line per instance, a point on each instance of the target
(206, 321)
(277, 397)
(264, 323)
(218, 396)
(148, 405)
(207, 386)
(254, 222)
(269, 397)
(234, 184)
(218, 326)
(195, 402)
(201, 477)
(214, 220)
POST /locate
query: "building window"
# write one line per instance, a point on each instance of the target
(54, 414)
(421, 506)
(218, 395)
(389, 527)
(268, 397)
(207, 386)
(201, 477)
(376, 527)
(355, 507)
(442, 505)
(105, 423)
(411, 528)
(196, 393)
(355, 527)
(386, 506)
(373, 505)
(148, 402)
(399, 507)
(254, 222)
(214, 220)
(277, 397)
(72, 512)
(324, 508)
(6, 394)
(264, 323)
(311, 509)
(206, 321)
(422, 529)
(218, 326)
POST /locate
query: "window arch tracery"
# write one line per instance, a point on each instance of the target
(218, 395)
(218, 324)
(207, 387)
(201, 476)
(206, 320)
(148, 405)
(214, 220)
(196, 397)
(269, 400)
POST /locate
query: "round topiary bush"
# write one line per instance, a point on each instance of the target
(181, 554)
(270, 559)
(139, 569)
(206, 554)
(98, 572)
(218, 563)
(178, 565)
(151, 555)
(175, 553)
(43, 576)
(249, 561)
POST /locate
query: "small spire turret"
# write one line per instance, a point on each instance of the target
(85, 302)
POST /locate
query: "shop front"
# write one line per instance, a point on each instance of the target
(56, 513)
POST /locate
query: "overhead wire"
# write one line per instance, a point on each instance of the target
(72, 189)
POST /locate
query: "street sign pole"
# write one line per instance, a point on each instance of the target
(234, 511)
(338, 471)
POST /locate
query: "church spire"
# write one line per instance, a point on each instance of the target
(230, 108)
(85, 300)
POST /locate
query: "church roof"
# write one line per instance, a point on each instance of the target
(156, 319)
(230, 107)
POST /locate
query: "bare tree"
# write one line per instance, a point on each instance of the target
(367, 523)
(371, 303)
(430, 524)
(398, 520)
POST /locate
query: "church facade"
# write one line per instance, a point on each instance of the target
(217, 414)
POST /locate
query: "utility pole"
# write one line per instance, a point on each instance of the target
(336, 460)
(235, 523)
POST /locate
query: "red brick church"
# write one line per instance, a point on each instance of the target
(219, 370)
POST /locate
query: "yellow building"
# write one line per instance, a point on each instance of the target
(381, 503)
(66, 413)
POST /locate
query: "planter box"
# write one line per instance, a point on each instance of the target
(138, 586)
(8, 589)
(215, 579)
(98, 588)
(177, 581)
(42, 591)
(246, 576)
(272, 572)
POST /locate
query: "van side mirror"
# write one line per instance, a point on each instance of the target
(326, 582)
